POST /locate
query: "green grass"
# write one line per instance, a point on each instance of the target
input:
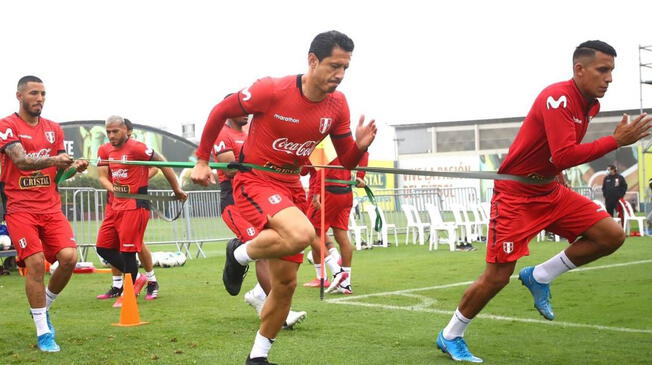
(196, 322)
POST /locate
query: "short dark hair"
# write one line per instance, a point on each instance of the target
(25, 79)
(588, 48)
(129, 124)
(611, 167)
(323, 44)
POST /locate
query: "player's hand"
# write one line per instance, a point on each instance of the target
(359, 183)
(315, 201)
(80, 165)
(62, 161)
(201, 173)
(365, 134)
(181, 195)
(627, 133)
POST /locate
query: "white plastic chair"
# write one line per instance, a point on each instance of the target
(357, 231)
(463, 222)
(414, 224)
(437, 224)
(629, 216)
(602, 206)
(382, 235)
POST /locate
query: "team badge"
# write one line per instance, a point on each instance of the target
(325, 125)
(508, 247)
(124, 158)
(22, 242)
(49, 135)
(251, 231)
(274, 199)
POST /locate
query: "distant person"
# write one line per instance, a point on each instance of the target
(614, 188)
(548, 142)
(31, 152)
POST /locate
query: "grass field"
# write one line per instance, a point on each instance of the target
(403, 297)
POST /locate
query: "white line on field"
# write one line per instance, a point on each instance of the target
(405, 291)
(427, 302)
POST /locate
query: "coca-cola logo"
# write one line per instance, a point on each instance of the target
(45, 152)
(120, 174)
(297, 148)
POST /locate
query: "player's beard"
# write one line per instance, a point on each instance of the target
(34, 113)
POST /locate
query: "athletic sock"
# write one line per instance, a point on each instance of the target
(261, 346)
(335, 254)
(546, 272)
(332, 265)
(49, 298)
(318, 271)
(241, 254)
(117, 281)
(150, 275)
(258, 292)
(40, 320)
(348, 271)
(456, 326)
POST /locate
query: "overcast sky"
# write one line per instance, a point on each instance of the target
(165, 63)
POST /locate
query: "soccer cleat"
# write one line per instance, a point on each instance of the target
(294, 318)
(46, 343)
(343, 289)
(118, 302)
(234, 273)
(254, 301)
(540, 292)
(338, 279)
(152, 290)
(50, 325)
(315, 283)
(111, 293)
(139, 283)
(456, 349)
(258, 361)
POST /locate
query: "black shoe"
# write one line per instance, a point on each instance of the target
(112, 293)
(258, 361)
(233, 273)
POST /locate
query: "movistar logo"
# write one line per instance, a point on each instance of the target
(552, 103)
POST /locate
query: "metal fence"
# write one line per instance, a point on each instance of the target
(196, 223)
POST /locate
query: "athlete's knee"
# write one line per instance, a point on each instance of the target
(67, 258)
(613, 238)
(301, 236)
(285, 286)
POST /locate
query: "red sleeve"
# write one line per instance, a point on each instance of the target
(103, 152)
(59, 139)
(7, 134)
(223, 143)
(143, 152)
(562, 139)
(364, 161)
(345, 146)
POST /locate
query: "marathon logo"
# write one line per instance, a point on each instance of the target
(37, 180)
(121, 188)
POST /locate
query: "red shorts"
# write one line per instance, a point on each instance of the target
(258, 197)
(242, 229)
(123, 230)
(515, 220)
(337, 209)
(33, 233)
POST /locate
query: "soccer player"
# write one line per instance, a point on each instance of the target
(227, 148)
(31, 152)
(339, 200)
(121, 235)
(548, 142)
(145, 255)
(291, 115)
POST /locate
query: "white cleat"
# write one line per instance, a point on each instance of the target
(254, 301)
(338, 279)
(294, 318)
(343, 289)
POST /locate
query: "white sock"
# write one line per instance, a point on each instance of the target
(336, 255)
(117, 281)
(456, 326)
(318, 271)
(546, 272)
(332, 264)
(49, 298)
(40, 320)
(150, 275)
(261, 347)
(258, 292)
(241, 254)
(348, 280)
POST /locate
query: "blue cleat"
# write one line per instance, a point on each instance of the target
(540, 292)
(50, 326)
(46, 343)
(456, 349)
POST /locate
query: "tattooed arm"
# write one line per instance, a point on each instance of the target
(17, 154)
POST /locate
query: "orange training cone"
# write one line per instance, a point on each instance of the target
(129, 315)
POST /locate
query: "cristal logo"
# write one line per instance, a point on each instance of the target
(119, 174)
(289, 147)
(45, 152)
(552, 103)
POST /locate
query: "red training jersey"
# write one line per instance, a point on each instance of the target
(314, 185)
(549, 140)
(30, 191)
(228, 140)
(129, 179)
(103, 154)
